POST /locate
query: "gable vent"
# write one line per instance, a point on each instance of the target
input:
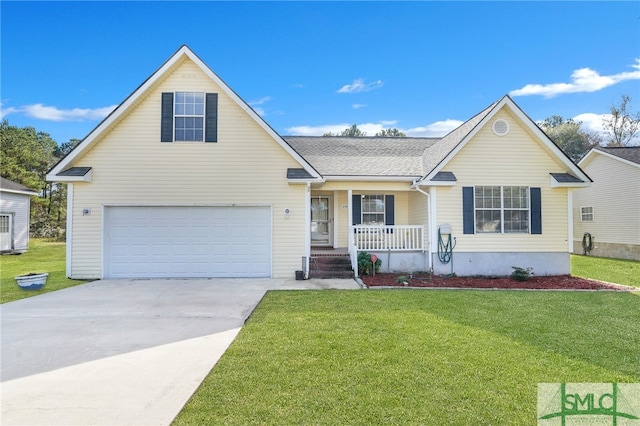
(500, 127)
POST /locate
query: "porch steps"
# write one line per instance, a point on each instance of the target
(330, 266)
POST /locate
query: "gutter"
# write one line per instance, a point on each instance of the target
(429, 218)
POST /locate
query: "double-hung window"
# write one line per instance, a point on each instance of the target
(373, 210)
(502, 209)
(586, 214)
(189, 116)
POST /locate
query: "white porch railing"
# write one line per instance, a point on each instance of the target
(388, 237)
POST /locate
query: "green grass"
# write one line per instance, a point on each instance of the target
(43, 256)
(415, 357)
(617, 271)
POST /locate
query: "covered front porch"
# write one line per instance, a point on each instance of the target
(387, 219)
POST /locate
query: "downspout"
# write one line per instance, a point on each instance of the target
(307, 233)
(69, 232)
(417, 188)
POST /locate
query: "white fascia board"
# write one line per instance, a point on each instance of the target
(371, 178)
(242, 104)
(462, 144)
(304, 181)
(51, 177)
(435, 183)
(594, 151)
(120, 110)
(541, 136)
(555, 184)
(17, 191)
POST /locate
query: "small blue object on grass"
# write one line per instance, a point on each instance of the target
(32, 281)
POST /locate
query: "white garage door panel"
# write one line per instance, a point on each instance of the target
(184, 242)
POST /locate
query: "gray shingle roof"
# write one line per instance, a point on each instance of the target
(437, 152)
(630, 153)
(565, 177)
(298, 174)
(362, 156)
(75, 171)
(444, 177)
(13, 186)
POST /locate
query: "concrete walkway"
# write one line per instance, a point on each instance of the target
(122, 352)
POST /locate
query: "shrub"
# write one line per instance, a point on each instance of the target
(364, 263)
(521, 274)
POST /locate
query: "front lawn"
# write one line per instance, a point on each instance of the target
(617, 271)
(415, 356)
(43, 256)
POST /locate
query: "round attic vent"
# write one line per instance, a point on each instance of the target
(500, 127)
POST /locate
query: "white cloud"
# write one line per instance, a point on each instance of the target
(359, 86)
(434, 130)
(592, 122)
(51, 113)
(358, 106)
(6, 111)
(260, 101)
(437, 129)
(582, 80)
(369, 128)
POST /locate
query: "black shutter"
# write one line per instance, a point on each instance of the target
(211, 118)
(536, 211)
(356, 209)
(389, 210)
(166, 127)
(468, 221)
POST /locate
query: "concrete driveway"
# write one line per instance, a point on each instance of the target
(122, 352)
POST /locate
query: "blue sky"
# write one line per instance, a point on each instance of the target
(312, 67)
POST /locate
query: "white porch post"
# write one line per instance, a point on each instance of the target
(307, 229)
(433, 222)
(570, 219)
(350, 218)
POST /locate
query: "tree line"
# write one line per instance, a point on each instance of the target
(27, 155)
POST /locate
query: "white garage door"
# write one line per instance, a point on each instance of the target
(187, 242)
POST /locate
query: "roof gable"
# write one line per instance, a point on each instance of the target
(436, 159)
(182, 54)
(7, 185)
(629, 155)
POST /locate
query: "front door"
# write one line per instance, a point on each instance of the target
(321, 234)
(5, 232)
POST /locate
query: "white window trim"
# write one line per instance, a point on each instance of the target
(582, 214)
(502, 209)
(384, 205)
(202, 116)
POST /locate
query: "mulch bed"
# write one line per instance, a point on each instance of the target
(555, 282)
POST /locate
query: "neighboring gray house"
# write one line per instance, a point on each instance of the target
(15, 203)
(608, 212)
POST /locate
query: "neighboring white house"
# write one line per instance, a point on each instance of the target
(15, 206)
(184, 179)
(608, 213)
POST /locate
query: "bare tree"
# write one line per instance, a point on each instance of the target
(622, 125)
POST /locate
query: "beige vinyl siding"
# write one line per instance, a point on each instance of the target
(17, 205)
(132, 167)
(516, 159)
(615, 198)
